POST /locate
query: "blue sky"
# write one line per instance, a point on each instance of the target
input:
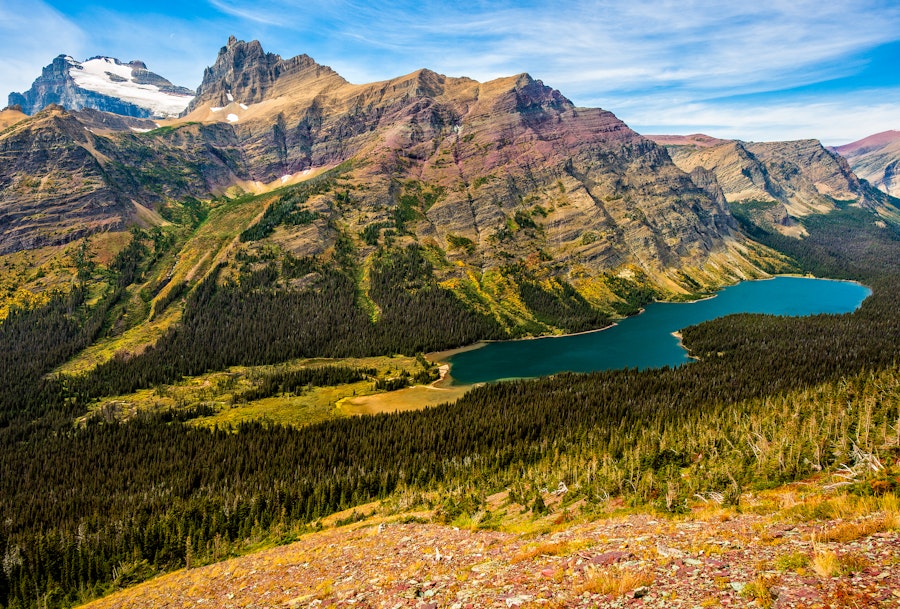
(760, 70)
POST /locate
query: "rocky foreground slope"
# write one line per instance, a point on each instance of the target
(794, 547)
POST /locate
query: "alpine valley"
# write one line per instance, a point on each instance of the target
(201, 290)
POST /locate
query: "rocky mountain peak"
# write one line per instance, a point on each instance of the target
(431, 84)
(533, 95)
(245, 73)
(105, 84)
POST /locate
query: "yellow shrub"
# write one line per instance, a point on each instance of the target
(615, 580)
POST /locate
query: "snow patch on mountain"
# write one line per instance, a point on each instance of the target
(107, 76)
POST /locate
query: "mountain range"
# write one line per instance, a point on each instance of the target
(504, 181)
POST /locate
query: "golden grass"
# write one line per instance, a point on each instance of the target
(850, 531)
(708, 512)
(616, 580)
(845, 506)
(853, 563)
(760, 590)
(411, 398)
(324, 588)
(827, 563)
(550, 548)
(528, 528)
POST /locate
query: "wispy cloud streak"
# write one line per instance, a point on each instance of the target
(26, 48)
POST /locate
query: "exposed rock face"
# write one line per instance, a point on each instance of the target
(245, 74)
(95, 120)
(797, 178)
(59, 181)
(595, 192)
(706, 179)
(51, 186)
(105, 84)
(877, 159)
(805, 173)
(891, 179)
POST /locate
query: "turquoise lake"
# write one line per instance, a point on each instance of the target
(645, 340)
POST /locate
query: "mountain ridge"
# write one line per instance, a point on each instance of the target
(517, 197)
(784, 181)
(876, 158)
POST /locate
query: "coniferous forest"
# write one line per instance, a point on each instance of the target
(88, 508)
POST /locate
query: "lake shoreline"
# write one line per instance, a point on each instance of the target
(445, 357)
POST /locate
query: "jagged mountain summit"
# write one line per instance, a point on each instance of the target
(779, 182)
(105, 84)
(245, 74)
(876, 158)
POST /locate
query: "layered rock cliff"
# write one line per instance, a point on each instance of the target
(518, 168)
(60, 181)
(52, 185)
(782, 181)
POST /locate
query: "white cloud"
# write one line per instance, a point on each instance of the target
(31, 35)
(252, 12)
(707, 45)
